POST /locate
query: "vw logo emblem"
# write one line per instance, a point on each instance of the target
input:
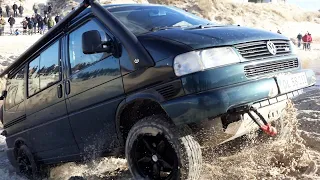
(272, 48)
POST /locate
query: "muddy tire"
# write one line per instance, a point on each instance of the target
(157, 149)
(26, 163)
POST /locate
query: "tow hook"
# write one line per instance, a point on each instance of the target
(265, 127)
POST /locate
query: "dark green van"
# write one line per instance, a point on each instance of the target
(144, 81)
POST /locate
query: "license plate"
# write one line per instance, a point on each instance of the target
(291, 82)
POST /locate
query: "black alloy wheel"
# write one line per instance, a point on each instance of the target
(26, 163)
(155, 157)
(158, 149)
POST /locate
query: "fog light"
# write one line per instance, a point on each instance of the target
(273, 92)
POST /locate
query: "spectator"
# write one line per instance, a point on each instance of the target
(309, 41)
(17, 32)
(57, 19)
(11, 21)
(40, 24)
(0, 11)
(35, 22)
(305, 40)
(30, 25)
(45, 22)
(299, 37)
(50, 23)
(24, 26)
(15, 10)
(278, 32)
(35, 8)
(2, 24)
(8, 10)
(49, 9)
(21, 10)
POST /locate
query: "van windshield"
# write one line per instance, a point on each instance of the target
(143, 19)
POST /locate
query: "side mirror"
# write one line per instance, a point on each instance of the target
(3, 95)
(92, 43)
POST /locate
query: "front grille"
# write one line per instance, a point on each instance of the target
(259, 50)
(270, 67)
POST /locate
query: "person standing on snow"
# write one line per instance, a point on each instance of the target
(24, 26)
(15, 10)
(11, 21)
(305, 40)
(40, 24)
(35, 22)
(57, 18)
(21, 10)
(49, 9)
(50, 23)
(299, 37)
(30, 25)
(309, 41)
(8, 10)
(35, 8)
(0, 11)
(2, 23)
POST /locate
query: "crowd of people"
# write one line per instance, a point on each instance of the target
(305, 40)
(30, 25)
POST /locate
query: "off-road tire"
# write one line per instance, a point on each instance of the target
(23, 149)
(187, 149)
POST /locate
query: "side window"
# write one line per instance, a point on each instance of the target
(78, 60)
(16, 87)
(49, 66)
(33, 77)
(44, 71)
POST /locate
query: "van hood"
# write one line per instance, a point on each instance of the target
(198, 38)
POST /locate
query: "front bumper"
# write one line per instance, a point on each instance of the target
(213, 103)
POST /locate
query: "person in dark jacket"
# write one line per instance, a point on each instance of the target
(57, 19)
(30, 25)
(24, 26)
(35, 22)
(0, 11)
(299, 37)
(40, 24)
(49, 9)
(15, 10)
(8, 10)
(11, 21)
(21, 10)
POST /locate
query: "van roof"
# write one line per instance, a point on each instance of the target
(52, 33)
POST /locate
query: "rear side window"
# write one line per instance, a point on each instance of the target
(44, 70)
(78, 60)
(16, 89)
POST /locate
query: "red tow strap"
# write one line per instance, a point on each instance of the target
(268, 129)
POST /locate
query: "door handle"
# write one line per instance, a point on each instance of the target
(59, 91)
(67, 86)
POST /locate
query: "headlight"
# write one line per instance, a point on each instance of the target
(293, 48)
(195, 61)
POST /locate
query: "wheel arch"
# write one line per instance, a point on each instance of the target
(136, 102)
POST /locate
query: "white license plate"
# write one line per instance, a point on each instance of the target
(291, 82)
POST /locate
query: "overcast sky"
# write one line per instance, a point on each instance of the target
(307, 4)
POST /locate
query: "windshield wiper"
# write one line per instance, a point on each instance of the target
(163, 28)
(202, 26)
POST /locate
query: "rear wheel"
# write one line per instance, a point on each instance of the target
(156, 149)
(26, 163)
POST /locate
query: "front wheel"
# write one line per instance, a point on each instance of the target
(157, 149)
(26, 163)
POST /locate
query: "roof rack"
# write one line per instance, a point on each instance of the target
(138, 55)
